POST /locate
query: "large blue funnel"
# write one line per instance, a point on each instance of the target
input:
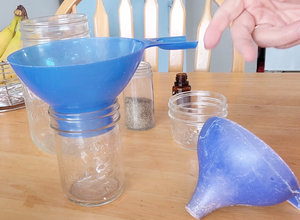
(237, 168)
(87, 74)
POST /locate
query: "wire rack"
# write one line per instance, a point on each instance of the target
(11, 92)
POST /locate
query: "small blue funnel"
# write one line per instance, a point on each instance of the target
(237, 168)
(87, 74)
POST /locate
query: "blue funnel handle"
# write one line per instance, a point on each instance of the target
(170, 43)
(295, 200)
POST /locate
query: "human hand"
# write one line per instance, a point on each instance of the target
(263, 23)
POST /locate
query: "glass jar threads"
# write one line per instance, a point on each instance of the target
(38, 31)
(139, 99)
(88, 149)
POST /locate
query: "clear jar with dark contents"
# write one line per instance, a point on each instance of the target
(139, 99)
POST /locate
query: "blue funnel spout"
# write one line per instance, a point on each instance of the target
(207, 199)
(295, 200)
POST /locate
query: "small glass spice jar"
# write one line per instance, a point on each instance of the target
(88, 149)
(38, 31)
(139, 99)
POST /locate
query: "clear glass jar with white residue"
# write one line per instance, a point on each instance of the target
(139, 99)
(89, 154)
(39, 31)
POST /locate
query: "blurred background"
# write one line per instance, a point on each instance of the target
(270, 59)
(34, 8)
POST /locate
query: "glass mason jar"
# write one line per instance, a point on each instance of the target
(38, 31)
(139, 99)
(88, 149)
(188, 112)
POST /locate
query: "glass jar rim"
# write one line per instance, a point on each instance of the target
(211, 104)
(115, 106)
(208, 95)
(88, 124)
(143, 70)
(49, 39)
(45, 20)
(192, 112)
(196, 122)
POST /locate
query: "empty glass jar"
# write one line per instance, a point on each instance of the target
(139, 99)
(88, 148)
(38, 31)
(188, 112)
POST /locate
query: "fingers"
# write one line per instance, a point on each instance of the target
(241, 33)
(289, 45)
(227, 12)
(279, 37)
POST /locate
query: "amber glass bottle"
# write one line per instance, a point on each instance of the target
(181, 84)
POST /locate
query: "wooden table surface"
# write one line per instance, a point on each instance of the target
(160, 176)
